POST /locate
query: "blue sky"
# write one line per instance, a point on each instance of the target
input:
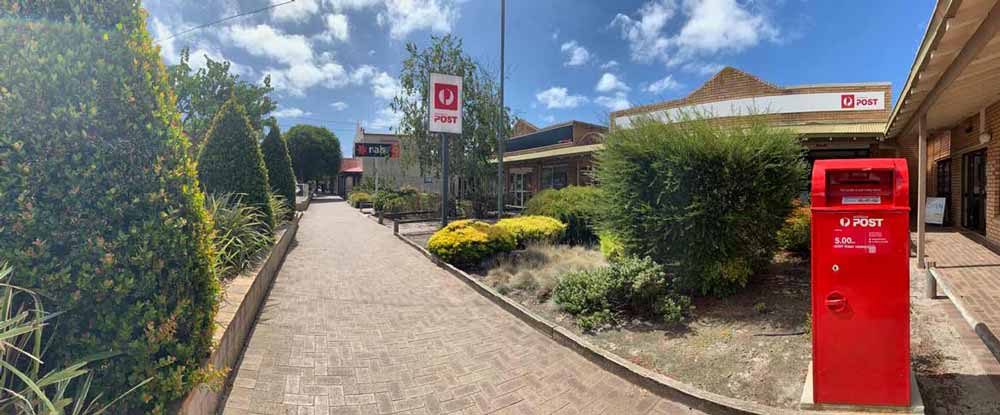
(336, 62)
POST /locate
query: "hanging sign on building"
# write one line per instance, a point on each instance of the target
(445, 104)
(382, 150)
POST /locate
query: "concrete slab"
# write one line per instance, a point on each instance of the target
(808, 402)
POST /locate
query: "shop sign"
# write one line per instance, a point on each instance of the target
(445, 104)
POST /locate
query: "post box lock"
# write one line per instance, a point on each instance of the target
(836, 267)
(836, 302)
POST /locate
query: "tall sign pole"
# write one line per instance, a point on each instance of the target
(501, 123)
(445, 117)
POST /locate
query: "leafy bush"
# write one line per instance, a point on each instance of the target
(27, 386)
(240, 233)
(629, 285)
(356, 198)
(283, 212)
(705, 197)
(577, 206)
(527, 229)
(468, 242)
(611, 245)
(100, 207)
(794, 234)
(406, 199)
(231, 161)
(279, 170)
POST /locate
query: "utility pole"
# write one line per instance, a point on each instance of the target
(501, 123)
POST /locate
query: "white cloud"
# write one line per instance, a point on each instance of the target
(290, 113)
(664, 84)
(708, 28)
(339, 105)
(702, 68)
(559, 97)
(614, 103)
(337, 28)
(549, 119)
(578, 55)
(717, 25)
(610, 65)
(170, 51)
(386, 119)
(297, 11)
(266, 41)
(385, 86)
(299, 77)
(609, 82)
(645, 36)
(406, 16)
(351, 4)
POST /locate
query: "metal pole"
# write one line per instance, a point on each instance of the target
(444, 179)
(501, 124)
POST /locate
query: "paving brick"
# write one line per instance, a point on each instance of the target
(359, 323)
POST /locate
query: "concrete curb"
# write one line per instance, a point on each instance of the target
(984, 333)
(656, 383)
(203, 399)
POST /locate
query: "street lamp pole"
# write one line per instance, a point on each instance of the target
(502, 120)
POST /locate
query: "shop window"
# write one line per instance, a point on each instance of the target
(555, 177)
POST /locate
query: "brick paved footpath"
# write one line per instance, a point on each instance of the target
(973, 273)
(358, 322)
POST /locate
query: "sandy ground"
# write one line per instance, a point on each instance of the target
(756, 345)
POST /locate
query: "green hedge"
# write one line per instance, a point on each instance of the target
(535, 228)
(794, 234)
(231, 161)
(706, 197)
(577, 206)
(100, 208)
(280, 175)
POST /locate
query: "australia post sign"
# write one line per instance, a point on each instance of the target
(445, 104)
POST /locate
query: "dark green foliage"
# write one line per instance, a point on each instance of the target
(630, 286)
(704, 197)
(406, 199)
(794, 234)
(231, 161)
(279, 167)
(577, 206)
(100, 208)
(201, 93)
(315, 152)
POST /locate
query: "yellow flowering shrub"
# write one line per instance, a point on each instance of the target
(467, 242)
(534, 228)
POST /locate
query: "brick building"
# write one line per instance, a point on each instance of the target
(952, 99)
(393, 172)
(833, 120)
(553, 157)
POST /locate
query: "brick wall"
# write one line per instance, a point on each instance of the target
(731, 83)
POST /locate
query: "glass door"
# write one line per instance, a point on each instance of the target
(520, 188)
(974, 191)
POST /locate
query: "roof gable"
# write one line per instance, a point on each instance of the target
(733, 82)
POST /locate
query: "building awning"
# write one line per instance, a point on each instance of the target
(351, 165)
(957, 68)
(867, 128)
(556, 152)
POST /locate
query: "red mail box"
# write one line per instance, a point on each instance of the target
(860, 282)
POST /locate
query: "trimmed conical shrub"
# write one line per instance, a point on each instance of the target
(279, 166)
(231, 161)
(100, 207)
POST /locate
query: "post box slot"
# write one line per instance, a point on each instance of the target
(859, 187)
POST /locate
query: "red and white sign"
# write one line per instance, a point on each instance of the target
(446, 104)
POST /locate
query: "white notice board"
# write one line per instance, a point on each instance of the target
(934, 214)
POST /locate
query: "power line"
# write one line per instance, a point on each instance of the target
(224, 19)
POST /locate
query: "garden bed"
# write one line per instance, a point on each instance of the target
(754, 346)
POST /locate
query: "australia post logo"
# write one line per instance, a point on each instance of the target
(446, 97)
(852, 101)
(861, 222)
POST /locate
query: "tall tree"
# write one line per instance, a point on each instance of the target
(201, 93)
(280, 175)
(315, 152)
(100, 210)
(470, 153)
(231, 160)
